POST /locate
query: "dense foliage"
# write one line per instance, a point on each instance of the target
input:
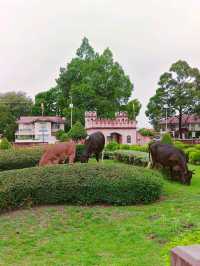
(132, 157)
(5, 144)
(167, 139)
(78, 184)
(179, 89)
(19, 158)
(77, 132)
(146, 132)
(12, 106)
(95, 82)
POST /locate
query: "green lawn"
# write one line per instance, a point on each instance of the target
(100, 235)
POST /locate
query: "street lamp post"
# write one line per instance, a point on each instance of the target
(71, 107)
(166, 107)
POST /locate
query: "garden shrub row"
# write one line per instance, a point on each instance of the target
(19, 158)
(113, 146)
(132, 157)
(26, 157)
(82, 184)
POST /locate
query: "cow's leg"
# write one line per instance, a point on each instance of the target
(72, 158)
(97, 156)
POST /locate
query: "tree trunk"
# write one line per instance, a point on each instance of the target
(180, 123)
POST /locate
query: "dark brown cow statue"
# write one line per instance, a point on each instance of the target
(173, 158)
(94, 144)
(58, 153)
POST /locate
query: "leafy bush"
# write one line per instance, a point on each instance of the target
(109, 155)
(79, 151)
(124, 147)
(19, 158)
(167, 139)
(26, 157)
(146, 132)
(5, 144)
(64, 137)
(197, 146)
(142, 148)
(59, 133)
(79, 184)
(77, 131)
(189, 150)
(112, 146)
(132, 157)
(180, 145)
(194, 157)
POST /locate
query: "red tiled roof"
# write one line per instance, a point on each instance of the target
(32, 119)
(186, 119)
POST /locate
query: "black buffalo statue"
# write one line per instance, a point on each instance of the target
(94, 144)
(172, 158)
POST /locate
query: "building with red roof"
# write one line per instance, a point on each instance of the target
(190, 126)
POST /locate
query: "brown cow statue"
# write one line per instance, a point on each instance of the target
(58, 153)
(172, 158)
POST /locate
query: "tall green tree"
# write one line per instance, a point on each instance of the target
(133, 108)
(94, 81)
(12, 106)
(177, 88)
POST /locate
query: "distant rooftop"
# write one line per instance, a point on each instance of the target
(32, 119)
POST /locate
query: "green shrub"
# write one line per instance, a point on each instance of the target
(19, 158)
(142, 148)
(79, 151)
(189, 150)
(194, 157)
(124, 147)
(59, 133)
(5, 144)
(64, 137)
(77, 131)
(146, 132)
(26, 157)
(109, 155)
(132, 157)
(79, 184)
(112, 146)
(167, 139)
(180, 145)
(197, 146)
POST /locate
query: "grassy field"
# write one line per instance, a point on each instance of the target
(100, 235)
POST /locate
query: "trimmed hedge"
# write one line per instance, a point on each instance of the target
(132, 157)
(82, 184)
(194, 157)
(19, 158)
(27, 157)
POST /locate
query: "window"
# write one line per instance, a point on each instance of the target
(128, 139)
(55, 126)
(43, 127)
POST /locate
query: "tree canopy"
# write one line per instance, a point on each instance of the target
(179, 89)
(94, 81)
(12, 106)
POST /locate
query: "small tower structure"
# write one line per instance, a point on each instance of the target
(120, 129)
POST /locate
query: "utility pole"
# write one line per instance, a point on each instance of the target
(166, 106)
(71, 107)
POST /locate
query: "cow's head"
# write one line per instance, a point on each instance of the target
(183, 176)
(188, 177)
(84, 158)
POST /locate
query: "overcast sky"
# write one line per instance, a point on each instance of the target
(37, 37)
